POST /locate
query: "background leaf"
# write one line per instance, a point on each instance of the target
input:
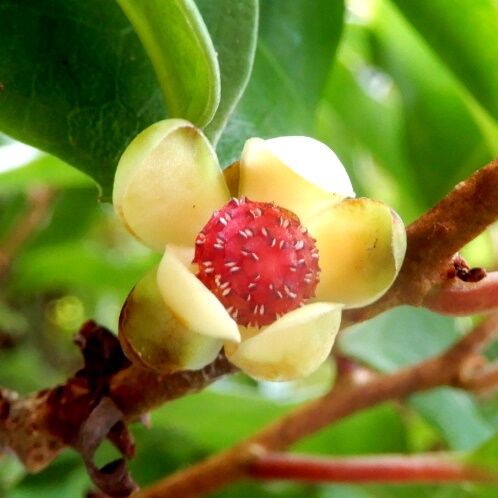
(450, 26)
(406, 336)
(296, 46)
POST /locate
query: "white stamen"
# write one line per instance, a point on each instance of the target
(281, 244)
(255, 256)
(242, 234)
(226, 292)
(235, 269)
(273, 242)
(223, 221)
(264, 231)
(229, 264)
(262, 309)
(299, 245)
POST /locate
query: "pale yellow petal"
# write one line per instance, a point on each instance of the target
(168, 183)
(361, 244)
(298, 173)
(193, 304)
(152, 334)
(292, 347)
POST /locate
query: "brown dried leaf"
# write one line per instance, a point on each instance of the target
(114, 478)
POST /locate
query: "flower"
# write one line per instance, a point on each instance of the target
(168, 186)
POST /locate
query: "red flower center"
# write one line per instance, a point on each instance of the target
(258, 260)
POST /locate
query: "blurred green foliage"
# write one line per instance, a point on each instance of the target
(404, 90)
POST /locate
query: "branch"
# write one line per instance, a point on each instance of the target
(378, 468)
(459, 298)
(234, 464)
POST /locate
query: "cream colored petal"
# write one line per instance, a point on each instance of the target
(168, 183)
(152, 334)
(361, 244)
(298, 173)
(292, 347)
(191, 302)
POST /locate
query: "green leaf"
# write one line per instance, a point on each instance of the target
(401, 337)
(234, 416)
(406, 336)
(456, 415)
(464, 34)
(45, 170)
(233, 27)
(359, 434)
(81, 93)
(178, 44)
(359, 112)
(296, 47)
(444, 141)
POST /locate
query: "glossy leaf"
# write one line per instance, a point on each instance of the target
(84, 92)
(178, 44)
(233, 28)
(296, 46)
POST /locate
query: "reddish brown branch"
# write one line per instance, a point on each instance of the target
(233, 464)
(378, 468)
(458, 298)
(484, 380)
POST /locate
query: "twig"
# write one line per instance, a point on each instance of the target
(484, 380)
(458, 298)
(375, 468)
(233, 464)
